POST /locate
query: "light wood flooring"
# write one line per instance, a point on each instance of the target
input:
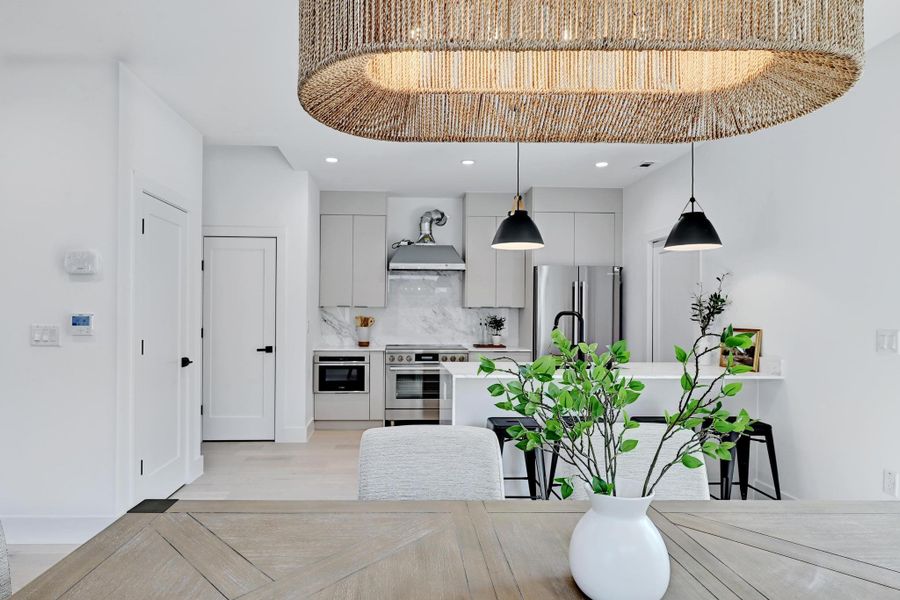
(323, 469)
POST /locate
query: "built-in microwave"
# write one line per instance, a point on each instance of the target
(345, 373)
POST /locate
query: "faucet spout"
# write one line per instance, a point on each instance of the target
(579, 318)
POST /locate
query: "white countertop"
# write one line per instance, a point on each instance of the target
(640, 371)
(380, 348)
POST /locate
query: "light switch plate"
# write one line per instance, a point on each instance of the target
(44, 335)
(887, 342)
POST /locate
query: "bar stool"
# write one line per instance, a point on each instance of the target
(762, 433)
(499, 425)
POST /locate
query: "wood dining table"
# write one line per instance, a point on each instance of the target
(449, 550)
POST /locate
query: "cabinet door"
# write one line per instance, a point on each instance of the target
(336, 260)
(595, 239)
(481, 262)
(376, 386)
(558, 231)
(510, 276)
(369, 260)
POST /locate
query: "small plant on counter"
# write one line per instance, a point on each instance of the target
(706, 309)
(581, 407)
(495, 324)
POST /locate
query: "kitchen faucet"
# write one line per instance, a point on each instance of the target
(580, 332)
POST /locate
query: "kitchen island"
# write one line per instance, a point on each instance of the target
(471, 404)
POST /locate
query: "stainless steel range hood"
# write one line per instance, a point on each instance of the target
(425, 254)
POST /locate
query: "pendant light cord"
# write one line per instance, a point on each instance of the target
(692, 170)
(517, 169)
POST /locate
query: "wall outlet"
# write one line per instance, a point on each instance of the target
(889, 483)
(887, 341)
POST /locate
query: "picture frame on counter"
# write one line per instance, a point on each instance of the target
(749, 357)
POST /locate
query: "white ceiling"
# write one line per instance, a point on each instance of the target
(229, 67)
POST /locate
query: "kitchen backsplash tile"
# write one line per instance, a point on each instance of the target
(422, 308)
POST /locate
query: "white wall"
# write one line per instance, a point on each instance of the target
(254, 189)
(808, 212)
(162, 152)
(59, 142)
(58, 191)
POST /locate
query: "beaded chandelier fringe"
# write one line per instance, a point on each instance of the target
(630, 71)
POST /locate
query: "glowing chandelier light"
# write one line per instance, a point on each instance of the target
(634, 71)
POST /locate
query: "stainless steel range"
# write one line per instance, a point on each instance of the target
(414, 388)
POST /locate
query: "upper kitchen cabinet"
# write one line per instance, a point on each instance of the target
(353, 249)
(494, 279)
(579, 226)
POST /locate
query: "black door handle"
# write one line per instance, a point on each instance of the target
(185, 361)
(267, 349)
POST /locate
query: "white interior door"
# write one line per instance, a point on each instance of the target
(239, 338)
(675, 278)
(160, 329)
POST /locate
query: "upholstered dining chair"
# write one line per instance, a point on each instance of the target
(679, 483)
(5, 582)
(430, 462)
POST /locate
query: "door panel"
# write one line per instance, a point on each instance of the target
(238, 320)
(675, 277)
(160, 328)
(599, 288)
(369, 260)
(481, 262)
(558, 230)
(510, 276)
(336, 261)
(595, 239)
(554, 287)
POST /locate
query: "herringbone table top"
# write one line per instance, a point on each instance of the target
(511, 549)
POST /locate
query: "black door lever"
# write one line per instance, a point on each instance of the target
(267, 349)
(185, 361)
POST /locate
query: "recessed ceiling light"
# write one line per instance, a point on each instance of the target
(601, 165)
(468, 162)
(331, 160)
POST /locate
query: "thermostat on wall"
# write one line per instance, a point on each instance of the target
(82, 262)
(82, 324)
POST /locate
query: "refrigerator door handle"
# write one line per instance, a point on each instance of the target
(582, 309)
(577, 308)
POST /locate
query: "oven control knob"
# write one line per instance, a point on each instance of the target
(408, 358)
(443, 359)
(452, 359)
(390, 358)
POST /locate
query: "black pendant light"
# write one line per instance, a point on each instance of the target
(517, 231)
(693, 231)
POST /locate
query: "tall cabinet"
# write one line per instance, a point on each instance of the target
(353, 249)
(494, 279)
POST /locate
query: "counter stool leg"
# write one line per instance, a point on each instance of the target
(531, 471)
(743, 458)
(773, 464)
(726, 471)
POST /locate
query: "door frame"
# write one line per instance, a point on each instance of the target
(649, 241)
(276, 340)
(127, 349)
(283, 433)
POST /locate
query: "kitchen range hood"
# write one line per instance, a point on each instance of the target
(425, 254)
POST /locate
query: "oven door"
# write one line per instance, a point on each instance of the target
(415, 388)
(341, 378)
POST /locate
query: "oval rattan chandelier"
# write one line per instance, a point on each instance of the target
(632, 71)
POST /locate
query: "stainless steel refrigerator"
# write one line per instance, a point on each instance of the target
(593, 292)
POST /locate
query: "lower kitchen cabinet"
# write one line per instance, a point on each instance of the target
(342, 407)
(376, 386)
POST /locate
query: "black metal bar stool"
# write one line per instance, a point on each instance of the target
(499, 425)
(762, 433)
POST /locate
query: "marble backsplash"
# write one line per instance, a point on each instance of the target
(422, 308)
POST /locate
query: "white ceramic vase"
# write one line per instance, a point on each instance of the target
(496, 340)
(616, 552)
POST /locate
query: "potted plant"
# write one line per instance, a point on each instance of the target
(496, 324)
(705, 309)
(580, 401)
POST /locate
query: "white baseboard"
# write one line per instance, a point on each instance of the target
(53, 529)
(195, 469)
(293, 435)
(767, 488)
